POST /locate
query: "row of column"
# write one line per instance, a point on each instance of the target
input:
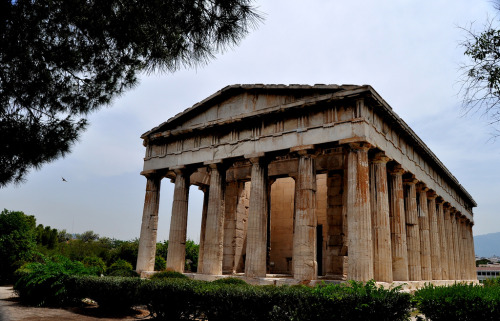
(398, 230)
(425, 239)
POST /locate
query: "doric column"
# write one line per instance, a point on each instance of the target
(456, 244)
(434, 237)
(359, 225)
(203, 228)
(463, 248)
(448, 223)
(472, 254)
(214, 232)
(178, 223)
(425, 242)
(412, 230)
(379, 201)
(147, 242)
(469, 250)
(442, 235)
(398, 225)
(304, 237)
(255, 263)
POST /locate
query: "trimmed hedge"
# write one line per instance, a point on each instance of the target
(168, 275)
(172, 299)
(189, 300)
(110, 292)
(459, 302)
(232, 299)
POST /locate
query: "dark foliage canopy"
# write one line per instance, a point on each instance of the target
(481, 81)
(17, 242)
(63, 59)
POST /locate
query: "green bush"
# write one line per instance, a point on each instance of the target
(168, 275)
(358, 301)
(111, 293)
(492, 282)
(17, 242)
(42, 284)
(122, 268)
(160, 263)
(172, 299)
(234, 281)
(459, 302)
(182, 299)
(96, 263)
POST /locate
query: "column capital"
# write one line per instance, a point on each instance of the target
(431, 194)
(154, 173)
(396, 169)
(439, 200)
(447, 205)
(182, 170)
(258, 158)
(360, 146)
(216, 164)
(410, 179)
(254, 156)
(380, 158)
(305, 150)
(422, 187)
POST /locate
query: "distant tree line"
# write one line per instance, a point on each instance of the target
(22, 242)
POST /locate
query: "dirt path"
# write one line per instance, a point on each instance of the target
(12, 310)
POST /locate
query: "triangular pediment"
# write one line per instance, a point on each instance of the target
(240, 101)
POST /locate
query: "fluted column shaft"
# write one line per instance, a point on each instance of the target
(255, 263)
(456, 244)
(412, 231)
(304, 237)
(359, 214)
(472, 257)
(463, 248)
(149, 227)
(203, 229)
(178, 222)
(398, 225)
(214, 233)
(379, 201)
(425, 242)
(442, 236)
(434, 238)
(448, 223)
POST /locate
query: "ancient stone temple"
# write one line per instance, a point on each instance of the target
(307, 182)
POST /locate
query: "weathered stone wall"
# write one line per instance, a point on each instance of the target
(282, 206)
(235, 230)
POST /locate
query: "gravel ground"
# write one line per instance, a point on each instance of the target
(12, 310)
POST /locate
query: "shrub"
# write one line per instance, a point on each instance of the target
(172, 299)
(176, 299)
(233, 281)
(160, 263)
(459, 302)
(360, 301)
(95, 263)
(122, 268)
(111, 293)
(17, 242)
(168, 275)
(42, 284)
(492, 282)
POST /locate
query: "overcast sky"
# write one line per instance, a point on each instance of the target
(407, 50)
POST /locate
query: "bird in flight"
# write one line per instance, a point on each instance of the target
(63, 179)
